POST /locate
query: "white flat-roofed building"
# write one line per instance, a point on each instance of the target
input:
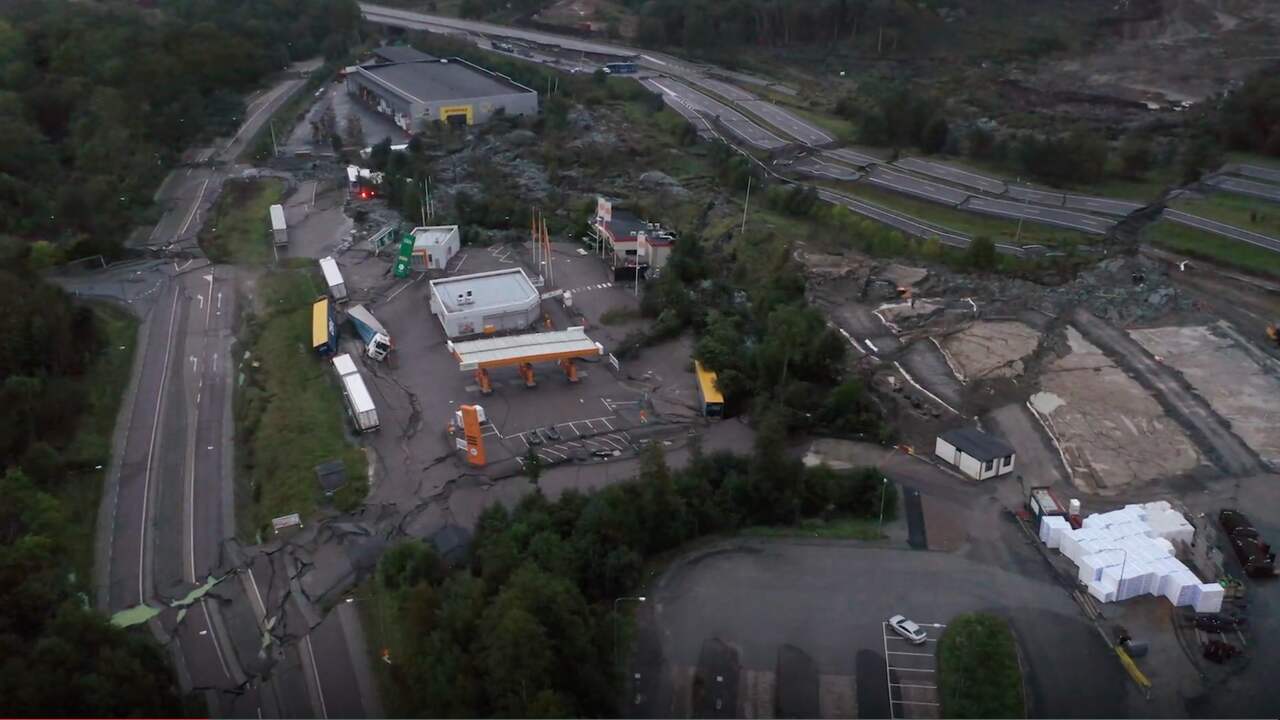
(434, 246)
(485, 303)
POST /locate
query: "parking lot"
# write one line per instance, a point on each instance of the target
(830, 600)
(911, 672)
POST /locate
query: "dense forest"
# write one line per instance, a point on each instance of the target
(97, 100)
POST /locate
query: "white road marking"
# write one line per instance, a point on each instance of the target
(209, 277)
(151, 451)
(217, 648)
(315, 673)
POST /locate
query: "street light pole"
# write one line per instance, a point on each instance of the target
(884, 485)
(617, 631)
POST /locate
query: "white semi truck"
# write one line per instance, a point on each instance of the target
(377, 341)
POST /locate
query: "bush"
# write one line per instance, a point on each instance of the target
(979, 675)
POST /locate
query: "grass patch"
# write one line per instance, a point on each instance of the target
(239, 230)
(290, 415)
(841, 528)
(978, 671)
(1215, 248)
(103, 386)
(1247, 213)
(974, 224)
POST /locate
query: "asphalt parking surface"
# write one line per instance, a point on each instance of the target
(757, 596)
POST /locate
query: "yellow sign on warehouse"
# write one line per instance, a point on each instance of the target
(455, 110)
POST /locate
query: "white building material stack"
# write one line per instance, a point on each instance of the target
(1051, 529)
(1131, 552)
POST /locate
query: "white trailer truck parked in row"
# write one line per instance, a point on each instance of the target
(377, 341)
(279, 230)
(333, 278)
(359, 401)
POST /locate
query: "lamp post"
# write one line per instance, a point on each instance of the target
(884, 486)
(617, 631)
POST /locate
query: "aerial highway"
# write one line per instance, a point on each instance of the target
(738, 124)
(818, 167)
(787, 121)
(1048, 216)
(1217, 228)
(1239, 186)
(1257, 172)
(167, 516)
(954, 175)
(852, 157)
(906, 184)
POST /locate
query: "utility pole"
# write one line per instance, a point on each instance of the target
(424, 203)
(746, 205)
(275, 151)
(1025, 203)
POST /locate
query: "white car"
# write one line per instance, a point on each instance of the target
(909, 631)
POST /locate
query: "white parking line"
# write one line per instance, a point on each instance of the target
(927, 687)
(895, 652)
(913, 702)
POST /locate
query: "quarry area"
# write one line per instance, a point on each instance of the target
(1123, 380)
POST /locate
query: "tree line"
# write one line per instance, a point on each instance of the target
(493, 636)
(98, 100)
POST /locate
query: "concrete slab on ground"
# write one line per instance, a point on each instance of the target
(1112, 432)
(1242, 391)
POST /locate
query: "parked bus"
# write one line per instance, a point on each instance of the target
(708, 393)
(324, 330)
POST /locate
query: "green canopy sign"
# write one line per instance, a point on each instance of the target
(406, 254)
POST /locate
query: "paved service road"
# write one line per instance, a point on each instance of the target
(787, 122)
(737, 123)
(1263, 190)
(951, 174)
(1222, 229)
(911, 185)
(1047, 216)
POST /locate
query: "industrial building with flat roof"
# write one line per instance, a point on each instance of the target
(416, 92)
(489, 302)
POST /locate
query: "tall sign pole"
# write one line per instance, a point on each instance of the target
(404, 259)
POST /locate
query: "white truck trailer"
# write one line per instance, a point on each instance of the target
(279, 229)
(359, 402)
(333, 278)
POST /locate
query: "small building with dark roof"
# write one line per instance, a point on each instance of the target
(629, 241)
(975, 453)
(415, 92)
